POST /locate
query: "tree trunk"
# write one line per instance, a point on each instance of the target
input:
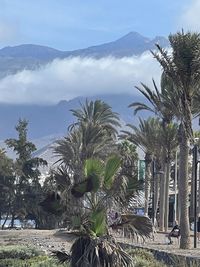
(147, 186)
(12, 221)
(166, 216)
(183, 189)
(156, 198)
(5, 220)
(162, 197)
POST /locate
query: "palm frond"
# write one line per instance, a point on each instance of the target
(136, 225)
(112, 165)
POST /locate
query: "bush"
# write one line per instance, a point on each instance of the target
(20, 256)
(18, 252)
(34, 262)
(144, 258)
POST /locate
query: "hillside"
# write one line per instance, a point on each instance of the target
(30, 56)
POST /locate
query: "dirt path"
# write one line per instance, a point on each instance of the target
(160, 243)
(46, 240)
(49, 240)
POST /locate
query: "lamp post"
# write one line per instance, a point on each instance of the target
(175, 187)
(195, 158)
(153, 193)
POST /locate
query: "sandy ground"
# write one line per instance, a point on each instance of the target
(160, 243)
(46, 240)
(50, 240)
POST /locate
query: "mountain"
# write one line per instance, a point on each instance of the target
(131, 44)
(53, 120)
(30, 56)
(49, 123)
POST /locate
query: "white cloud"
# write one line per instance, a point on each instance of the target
(190, 16)
(68, 78)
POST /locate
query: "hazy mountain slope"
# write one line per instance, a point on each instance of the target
(54, 119)
(29, 56)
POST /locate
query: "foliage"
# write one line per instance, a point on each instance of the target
(144, 258)
(21, 256)
(22, 178)
(20, 252)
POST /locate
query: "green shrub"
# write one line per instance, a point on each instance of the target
(41, 261)
(144, 258)
(21, 256)
(18, 252)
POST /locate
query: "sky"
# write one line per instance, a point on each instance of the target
(72, 24)
(69, 25)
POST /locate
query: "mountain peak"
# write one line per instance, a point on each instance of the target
(133, 37)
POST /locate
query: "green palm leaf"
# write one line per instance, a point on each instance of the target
(93, 170)
(98, 219)
(112, 166)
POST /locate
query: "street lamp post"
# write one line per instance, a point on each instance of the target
(175, 187)
(195, 158)
(153, 193)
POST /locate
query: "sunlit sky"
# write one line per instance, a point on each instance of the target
(72, 24)
(69, 25)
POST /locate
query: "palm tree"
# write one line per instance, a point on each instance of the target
(97, 113)
(145, 136)
(160, 106)
(170, 144)
(182, 67)
(92, 135)
(94, 246)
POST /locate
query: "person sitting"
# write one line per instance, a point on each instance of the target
(175, 232)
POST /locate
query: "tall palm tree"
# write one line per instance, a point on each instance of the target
(182, 66)
(97, 113)
(182, 69)
(92, 135)
(159, 104)
(145, 136)
(170, 144)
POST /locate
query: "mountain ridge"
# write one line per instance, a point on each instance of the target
(30, 57)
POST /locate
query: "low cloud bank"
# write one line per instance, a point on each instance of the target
(68, 78)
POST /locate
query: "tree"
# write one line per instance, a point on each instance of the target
(146, 137)
(129, 169)
(94, 246)
(7, 184)
(182, 67)
(92, 135)
(161, 104)
(26, 173)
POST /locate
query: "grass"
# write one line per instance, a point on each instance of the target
(144, 258)
(21, 256)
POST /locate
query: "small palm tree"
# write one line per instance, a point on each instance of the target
(94, 246)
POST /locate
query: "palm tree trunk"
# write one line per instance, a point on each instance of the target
(183, 189)
(156, 198)
(166, 216)
(162, 197)
(147, 187)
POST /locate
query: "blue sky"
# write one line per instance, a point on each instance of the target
(69, 25)
(72, 24)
